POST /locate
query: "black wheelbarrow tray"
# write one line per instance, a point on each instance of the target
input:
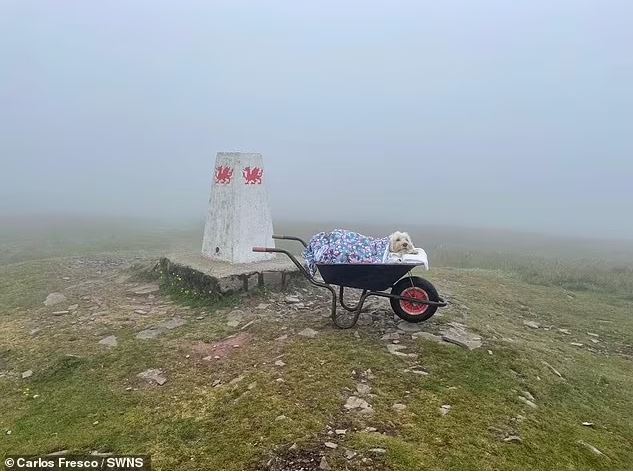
(412, 298)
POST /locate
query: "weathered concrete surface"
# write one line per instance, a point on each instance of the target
(239, 214)
(213, 277)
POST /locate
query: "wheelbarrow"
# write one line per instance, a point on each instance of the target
(412, 298)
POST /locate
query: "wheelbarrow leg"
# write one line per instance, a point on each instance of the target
(344, 305)
(357, 309)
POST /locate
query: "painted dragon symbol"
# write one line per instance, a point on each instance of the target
(223, 175)
(253, 176)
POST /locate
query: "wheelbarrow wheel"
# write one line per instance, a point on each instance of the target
(418, 288)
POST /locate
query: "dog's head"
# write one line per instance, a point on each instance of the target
(401, 243)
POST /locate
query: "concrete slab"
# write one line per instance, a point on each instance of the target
(214, 277)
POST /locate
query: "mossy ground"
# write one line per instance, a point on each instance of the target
(85, 397)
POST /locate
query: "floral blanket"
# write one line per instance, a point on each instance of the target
(345, 247)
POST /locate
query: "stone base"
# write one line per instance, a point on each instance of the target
(216, 278)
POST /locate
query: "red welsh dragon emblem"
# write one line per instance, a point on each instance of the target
(223, 175)
(253, 176)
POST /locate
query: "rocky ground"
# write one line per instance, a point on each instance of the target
(95, 357)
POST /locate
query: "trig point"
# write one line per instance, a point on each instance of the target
(239, 215)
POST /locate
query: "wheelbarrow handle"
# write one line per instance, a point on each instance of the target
(291, 238)
(263, 249)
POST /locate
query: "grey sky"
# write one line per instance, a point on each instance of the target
(513, 114)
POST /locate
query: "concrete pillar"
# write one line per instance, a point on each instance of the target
(239, 214)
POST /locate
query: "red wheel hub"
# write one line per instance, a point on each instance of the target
(413, 308)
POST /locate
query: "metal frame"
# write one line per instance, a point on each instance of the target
(357, 309)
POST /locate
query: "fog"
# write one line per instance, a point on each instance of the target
(490, 114)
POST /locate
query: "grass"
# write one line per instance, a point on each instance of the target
(84, 397)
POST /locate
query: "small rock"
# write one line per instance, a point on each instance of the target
(61, 312)
(513, 439)
(54, 298)
(172, 323)
(308, 333)
(460, 337)
(577, 344)
(355, 402)
(331, 445)
(281, 418)
(399, 407)
(291, 299)
(248, 324)
(216, 383)
(417, 371)
(592, 334)
(323, 465)
(26, 374)
(564, 331)
(280, 363)
(95, 423)
(528, 395)
(236, 380)
(128, 389)
(279, 380)
(390, 337)
(153, 375)
(349, 454)
(150, 333)
(109, 341)
(370, 429)
(444, 409)
(73, 307)
(140, 312)
(363, 389)
(378, 450)
(489, 352)
(340, 431)
(396, 348)
(593, 449)
(262, 306)
(587, 423)
(367, 374)
(529, 403)
(531, 324)
(550, 367)
(252, 385)
(100, 454)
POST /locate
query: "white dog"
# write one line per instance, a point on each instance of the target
(400, 243)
